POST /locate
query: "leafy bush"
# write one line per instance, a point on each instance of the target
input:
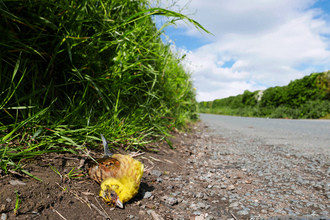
(301, 98)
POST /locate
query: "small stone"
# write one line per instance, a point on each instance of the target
(3, 216)
(16, 182)
(159, 180)
(170, 187)
(35, 213)
(234, 204)
(131, 216)
(223, 186)
(199, 195)
(171, 201)
(324, 213)
(231, 187)
(242, 212)
(156, 173)
(318, 187)
(197, 213)
(147, 195)
(8, 200)
(193, 206)
(263, 211)
(200, 205)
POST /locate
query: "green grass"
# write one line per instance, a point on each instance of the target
(70, 70)
(17, 203)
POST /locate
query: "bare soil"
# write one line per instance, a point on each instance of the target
(57, 197)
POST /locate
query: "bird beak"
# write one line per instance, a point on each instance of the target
(119, 204)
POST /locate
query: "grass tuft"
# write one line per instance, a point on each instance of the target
(70, 70)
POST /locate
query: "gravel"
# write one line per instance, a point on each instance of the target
(232, 174)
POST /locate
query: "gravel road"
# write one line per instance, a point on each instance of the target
(249, 168)
(271, 167)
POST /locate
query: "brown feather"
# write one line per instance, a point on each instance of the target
(116, 166)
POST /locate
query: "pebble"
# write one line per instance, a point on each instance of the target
(171, 201)
(170, 187)
(231, 187)
(147, 195)
(16, 183)
(156, 173)
(242, 212)
(200, 205)
(3, 216)
(235, 204)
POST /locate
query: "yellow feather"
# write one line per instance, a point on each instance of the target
(125, 187)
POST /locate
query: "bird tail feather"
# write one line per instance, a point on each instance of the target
(107, 152)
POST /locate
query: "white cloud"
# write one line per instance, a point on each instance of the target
(267, 39)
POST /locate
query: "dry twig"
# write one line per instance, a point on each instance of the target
(233, 216)
(148, 160)
(135, 154)
(156, 159)
(100, 210)
(154, 215)
(58, 213)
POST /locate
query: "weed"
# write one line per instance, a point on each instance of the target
(17, 203)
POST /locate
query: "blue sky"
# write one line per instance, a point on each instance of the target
(256, 44)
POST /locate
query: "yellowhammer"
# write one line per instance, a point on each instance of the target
(119, 175)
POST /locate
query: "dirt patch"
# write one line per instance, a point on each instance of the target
(58, 197)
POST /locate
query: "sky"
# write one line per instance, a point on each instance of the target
(256, 44)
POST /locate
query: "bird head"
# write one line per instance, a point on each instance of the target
(109, 194)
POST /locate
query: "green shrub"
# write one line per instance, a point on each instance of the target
(301, 98)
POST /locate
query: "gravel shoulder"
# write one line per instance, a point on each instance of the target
(215, 172)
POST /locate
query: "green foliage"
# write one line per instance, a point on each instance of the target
(70, 70)
(302, 98)
(295, 94)
(323, 83)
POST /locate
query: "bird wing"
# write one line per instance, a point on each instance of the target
(106, 167)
